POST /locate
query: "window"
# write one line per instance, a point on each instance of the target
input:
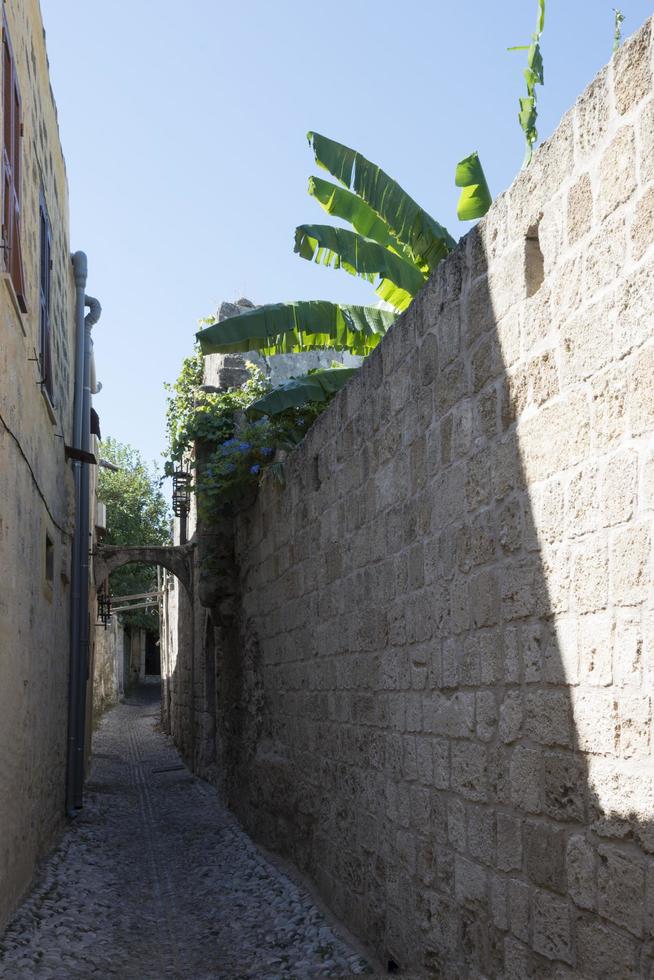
(47, 379)
(11, 170)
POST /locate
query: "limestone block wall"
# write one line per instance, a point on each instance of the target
(36, 492)
(438, 698)
(108, 666)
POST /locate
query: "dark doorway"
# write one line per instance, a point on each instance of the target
(152, 654)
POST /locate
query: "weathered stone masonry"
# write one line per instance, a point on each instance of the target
(436, 699)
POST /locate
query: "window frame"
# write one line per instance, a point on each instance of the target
(45, 286)
(12, 168)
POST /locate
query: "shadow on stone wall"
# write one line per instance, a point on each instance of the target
(428, 659)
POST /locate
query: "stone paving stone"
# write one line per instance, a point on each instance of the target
(156, 879)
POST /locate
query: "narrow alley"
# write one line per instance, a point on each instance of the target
(155, 879)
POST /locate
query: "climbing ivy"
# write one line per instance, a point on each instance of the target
(242, 447)
(193, 414)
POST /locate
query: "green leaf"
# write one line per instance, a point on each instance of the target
(344, 249)
(317, 386)
(288, 328)
(344, 204)
(427, 240)
(475, 198)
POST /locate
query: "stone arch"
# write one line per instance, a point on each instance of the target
(178, 559)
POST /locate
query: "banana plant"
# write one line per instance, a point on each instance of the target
(533, 76)
(289, 328)
(319, 385)
(394, 244)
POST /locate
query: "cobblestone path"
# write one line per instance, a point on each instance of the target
(155, 879)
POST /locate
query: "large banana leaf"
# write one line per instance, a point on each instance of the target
(317, 386)
(344, 249)
(427, 240)
(344, 204)
(475, 198)
(288, 328)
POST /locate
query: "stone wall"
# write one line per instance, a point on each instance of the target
(108, 667)
(36, 492)
(434, 690)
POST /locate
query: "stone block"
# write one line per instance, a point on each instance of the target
(510, 526)
(519, 909)
(479, 317)
(556, 437)
(545, 855)
(479, 539)
(481, 835)
(595, 721)
(470, 884)
(628, 649)
(632, 329)
(608, 406)
(641, 393)
(486, 362)
(580, 208)
(511, 716)
(646, 143)
(642, 229)
(563, 786)
(469, 775)
(632, 74)
(603, 263)
(604, 953)
(477, 481)
(499, 906)
(630, 565)
(621, 888)
(617, 172)
(552, 928)
(486, 417)
(486, 714)
(592, 116)
(590, 574)
(525, 771)
(596, 649)
(448, 331)
(581, 873)
(509, 841)
(485, 599)
(547, 717)
(619, 487)
(517, 960)
(634, 724)
(429, 360)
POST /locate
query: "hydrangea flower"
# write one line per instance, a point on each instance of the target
(255, 468)
(266, 451)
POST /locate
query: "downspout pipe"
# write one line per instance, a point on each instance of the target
(80, 613)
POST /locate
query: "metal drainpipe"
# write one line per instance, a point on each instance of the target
(80, 621)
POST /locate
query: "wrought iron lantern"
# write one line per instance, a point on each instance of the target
(181, 493)
(104, 608)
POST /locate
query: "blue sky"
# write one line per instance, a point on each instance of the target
(183, 128)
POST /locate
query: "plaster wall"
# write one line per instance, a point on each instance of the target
(433, 691)
(36, 493)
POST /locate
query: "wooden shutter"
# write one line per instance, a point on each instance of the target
(47, 378)
(11, 169)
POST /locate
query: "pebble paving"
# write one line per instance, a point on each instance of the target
(155, 879)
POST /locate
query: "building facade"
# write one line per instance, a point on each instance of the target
(39, 324)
